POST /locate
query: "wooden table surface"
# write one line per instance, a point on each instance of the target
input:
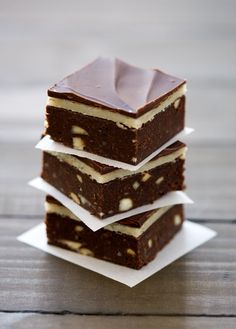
(40, 43)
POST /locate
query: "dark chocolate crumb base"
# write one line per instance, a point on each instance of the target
(105, 138)
(118, 195)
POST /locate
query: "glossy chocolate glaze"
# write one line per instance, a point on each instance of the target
(114, 85)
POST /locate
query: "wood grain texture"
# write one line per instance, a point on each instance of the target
(37, 321)
(43, 41)
(202, 282)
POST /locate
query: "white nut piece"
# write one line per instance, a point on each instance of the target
(131, 252)
(134, 160)
(86, 252)
(82, 199)
(78, 228)
(125, 204)
(177, 220)
(136, 185)
(145, 177)
(74, 197)
(80, 179)
(159, 180)
(150, 243)
(71, 244)
(78, 143)
(176, 103)
(78, 130)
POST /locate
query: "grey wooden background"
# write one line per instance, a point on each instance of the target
(42, 41)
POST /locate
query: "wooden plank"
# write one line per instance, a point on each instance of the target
(37, 321)
(211, 181)
(202, 282)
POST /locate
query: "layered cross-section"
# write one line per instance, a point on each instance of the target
(116, 110)
(112, 162)
(105, 191)
(131, 242)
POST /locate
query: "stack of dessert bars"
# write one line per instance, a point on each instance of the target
(123, 115)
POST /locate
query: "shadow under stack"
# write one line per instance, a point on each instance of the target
(123, 113)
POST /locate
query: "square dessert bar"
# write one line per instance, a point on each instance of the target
(116, 110)
(131, 242)
(105, 191)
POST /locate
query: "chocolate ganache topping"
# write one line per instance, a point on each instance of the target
(117, 86)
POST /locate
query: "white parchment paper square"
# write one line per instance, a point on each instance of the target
(94, 223)
(47, 144)
(191, 236)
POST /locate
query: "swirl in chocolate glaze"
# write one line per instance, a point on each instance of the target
(115, 85)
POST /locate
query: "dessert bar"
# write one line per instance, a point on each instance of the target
(131, 242)
(116, 110)
(105, 191)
